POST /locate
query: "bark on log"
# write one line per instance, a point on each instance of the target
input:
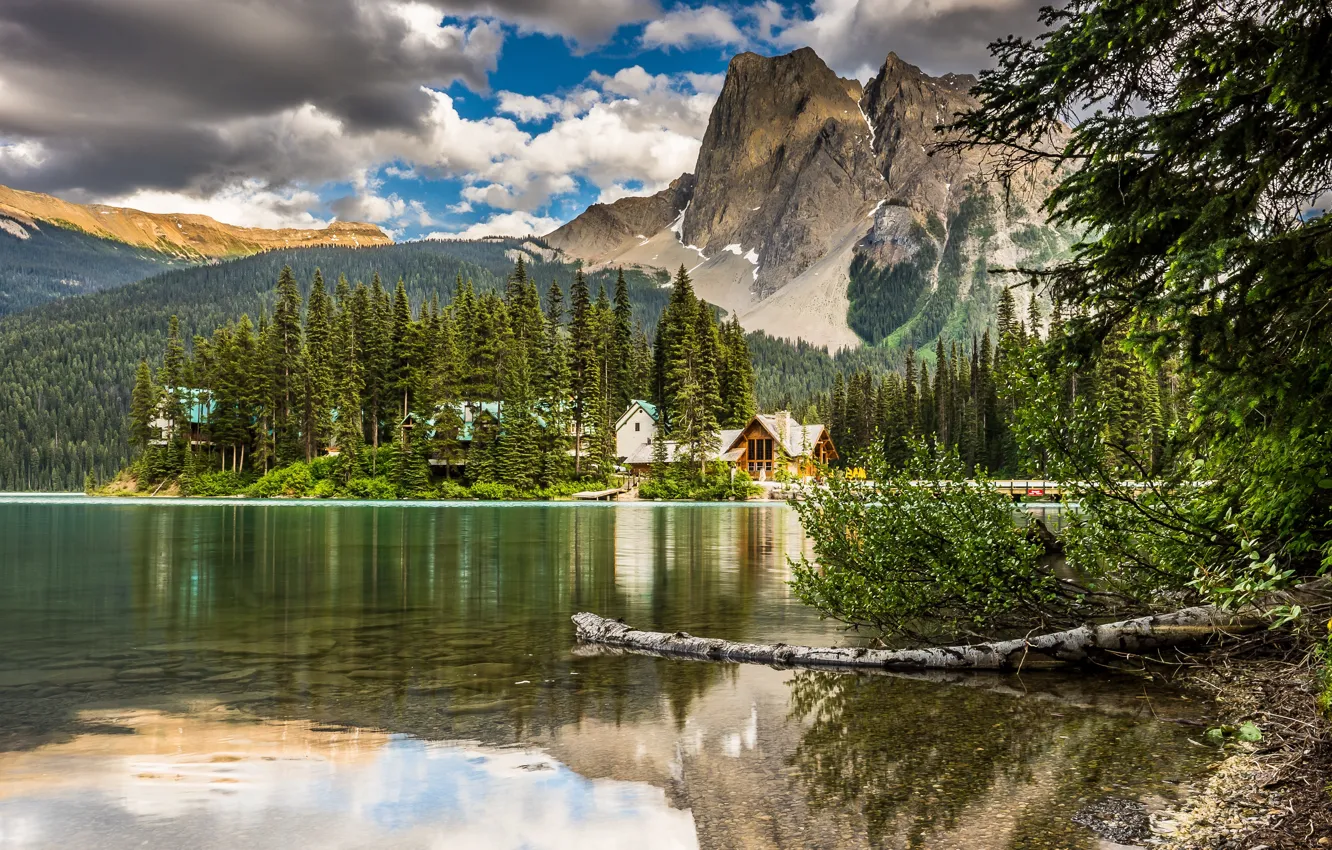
(1059, 649)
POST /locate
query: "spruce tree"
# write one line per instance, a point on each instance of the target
(584, 371)
(553, 391)
(143, 407)
(621, 347)
(285, 366)
(318, 357)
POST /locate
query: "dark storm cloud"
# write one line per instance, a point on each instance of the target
(145, 86)
(940, 36)
(585, 22)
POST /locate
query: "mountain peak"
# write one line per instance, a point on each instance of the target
(185, 235)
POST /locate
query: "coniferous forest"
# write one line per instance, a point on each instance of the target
(355, 392)
(67, 367)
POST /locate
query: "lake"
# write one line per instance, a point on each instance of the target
(280, 674)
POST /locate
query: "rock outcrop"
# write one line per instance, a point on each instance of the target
(605, 230)
(194, 237)
(785, 165)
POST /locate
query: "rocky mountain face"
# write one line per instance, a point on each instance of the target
(195, 237)
(785, 165)
(821, 209)
(605, 229)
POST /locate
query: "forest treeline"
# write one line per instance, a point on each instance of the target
(517, 390)
(66, 368)
(969, 401)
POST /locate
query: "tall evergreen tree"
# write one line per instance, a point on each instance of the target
(317, 424)
(143, 406)
(284, 359)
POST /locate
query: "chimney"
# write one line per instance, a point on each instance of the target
(783, 418)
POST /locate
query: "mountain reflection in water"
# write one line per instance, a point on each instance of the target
(419, 662)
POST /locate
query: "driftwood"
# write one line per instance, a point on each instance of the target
(1082, 645)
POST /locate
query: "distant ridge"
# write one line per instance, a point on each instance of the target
(192, 237)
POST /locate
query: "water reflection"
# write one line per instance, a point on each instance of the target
(213, 780)
(436, 625)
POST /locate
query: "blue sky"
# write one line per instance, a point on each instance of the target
(427, 117)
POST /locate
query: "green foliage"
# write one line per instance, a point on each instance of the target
(377, 489)
(67, 368)
(884, 298)
(919, 546)
(219, 483)
(679, 482)
(294, 481)
(1246, 732)
(1203, 147)
(492, 491)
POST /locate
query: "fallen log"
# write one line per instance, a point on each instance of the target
(1083, 645)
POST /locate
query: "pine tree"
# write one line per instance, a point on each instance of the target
(553, 389)
(284, 357)
(621, 347)
(584, 371)
(173, 375)
(837, 417)
(1033, 319)
(736, 376)
(348, 426)
(318, 357)
(143, 407)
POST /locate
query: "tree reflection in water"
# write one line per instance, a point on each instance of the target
(932, 765)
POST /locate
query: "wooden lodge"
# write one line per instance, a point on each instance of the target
(769, 447)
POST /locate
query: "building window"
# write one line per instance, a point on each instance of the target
(760, 449)
(638, 426)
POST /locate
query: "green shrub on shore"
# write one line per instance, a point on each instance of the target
(224, 483)
(292, 481)
(714, 485)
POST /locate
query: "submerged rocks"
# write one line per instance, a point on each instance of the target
(1116, 819)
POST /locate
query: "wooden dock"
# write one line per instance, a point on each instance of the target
(599, 495)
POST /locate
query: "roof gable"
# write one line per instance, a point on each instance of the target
(635, 405)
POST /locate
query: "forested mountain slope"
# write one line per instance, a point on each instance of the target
(51, 248)
(66, 368)
(52, 262)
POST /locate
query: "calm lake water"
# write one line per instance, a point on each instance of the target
(256, 675)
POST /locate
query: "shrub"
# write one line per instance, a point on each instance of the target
(293, 480)
(325, 489)
(922, 545)
(452, 491)
(490, 491)
(371, 488)
(716, 485)
(212, 484)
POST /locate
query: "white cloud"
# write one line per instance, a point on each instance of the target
(629, 127)
(706, 83)
(684, 27)
(21, 156)
(503, 224)
(248, 204)
(615, 192)
(527, 108)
